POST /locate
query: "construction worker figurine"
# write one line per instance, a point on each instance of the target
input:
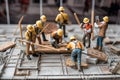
(42, 21)
(87, 27)
(56, 38)
(62, 19)
(102, 31)
(30, 36)
(38, 27)
(76, 47)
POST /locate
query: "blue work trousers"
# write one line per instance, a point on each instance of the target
(99, 41)
(76, 55)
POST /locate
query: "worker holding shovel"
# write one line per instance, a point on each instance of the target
(40, 24)
(30, 36)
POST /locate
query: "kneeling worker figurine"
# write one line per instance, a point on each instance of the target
(56, 38)
(30, 36)
(76, 47)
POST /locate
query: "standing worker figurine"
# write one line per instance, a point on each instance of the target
(38, 27)
(42, 22)
(102, 31)
(62, 19)
(76, 47)
(56, 38)
(87, 27)
(30, 36)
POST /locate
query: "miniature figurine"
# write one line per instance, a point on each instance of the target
(56, 38)
(87, 27)
(62, 19)
(38, 27)
(102, 31)
(30, 36)
(42, 21)
(76, 47)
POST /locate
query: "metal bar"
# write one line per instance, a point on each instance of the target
(41, 7)
(7, 11)
(92, 16)
(27, 68)
(61, 2)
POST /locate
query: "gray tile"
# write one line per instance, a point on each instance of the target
(51, 71)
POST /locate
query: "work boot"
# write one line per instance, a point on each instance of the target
(35, 55)
(73, 65)
(100, 48)
(96, 47)
(45, 40)
(79, 68)
(28, 57)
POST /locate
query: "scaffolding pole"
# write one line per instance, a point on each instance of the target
(92, 16)
(61, 2)
(41, 8)
(7, 11)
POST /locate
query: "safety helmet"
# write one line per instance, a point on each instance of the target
(106, 18)
(38, 23)
(72, 38)
(60, 32)
(43, 18)
(61, 8)
(86, 20)
(30, 28)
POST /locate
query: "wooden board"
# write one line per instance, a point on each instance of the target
(70, 63)
(97, 54)
(114, 49)
(115, 69)
(51, 49)
(6, 46)
(107, 40)
(22, 73)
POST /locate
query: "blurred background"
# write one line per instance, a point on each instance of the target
(12, 10)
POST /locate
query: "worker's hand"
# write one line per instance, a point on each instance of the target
(66, 49)
(38, 35)
(31, 43)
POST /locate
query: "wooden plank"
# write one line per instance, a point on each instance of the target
(115, 68)
(22, 73)
(97, 54)
(114, 49)
(6, 46)
(70, 63)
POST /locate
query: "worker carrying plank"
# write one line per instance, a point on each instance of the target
(76, 47)
(102, 31)
(30, 35)
(56, 38)
(87, 28)
(62, 19)
(39, 27)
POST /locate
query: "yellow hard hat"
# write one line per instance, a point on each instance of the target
(43, 18)
(39, 25)
(30, 28)
(61, 8)
(106, 18)
(72, 38)
(60, 32)
(86, 20)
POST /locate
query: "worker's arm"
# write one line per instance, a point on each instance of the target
(60, 39)
(27, 36)
(69, 46)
